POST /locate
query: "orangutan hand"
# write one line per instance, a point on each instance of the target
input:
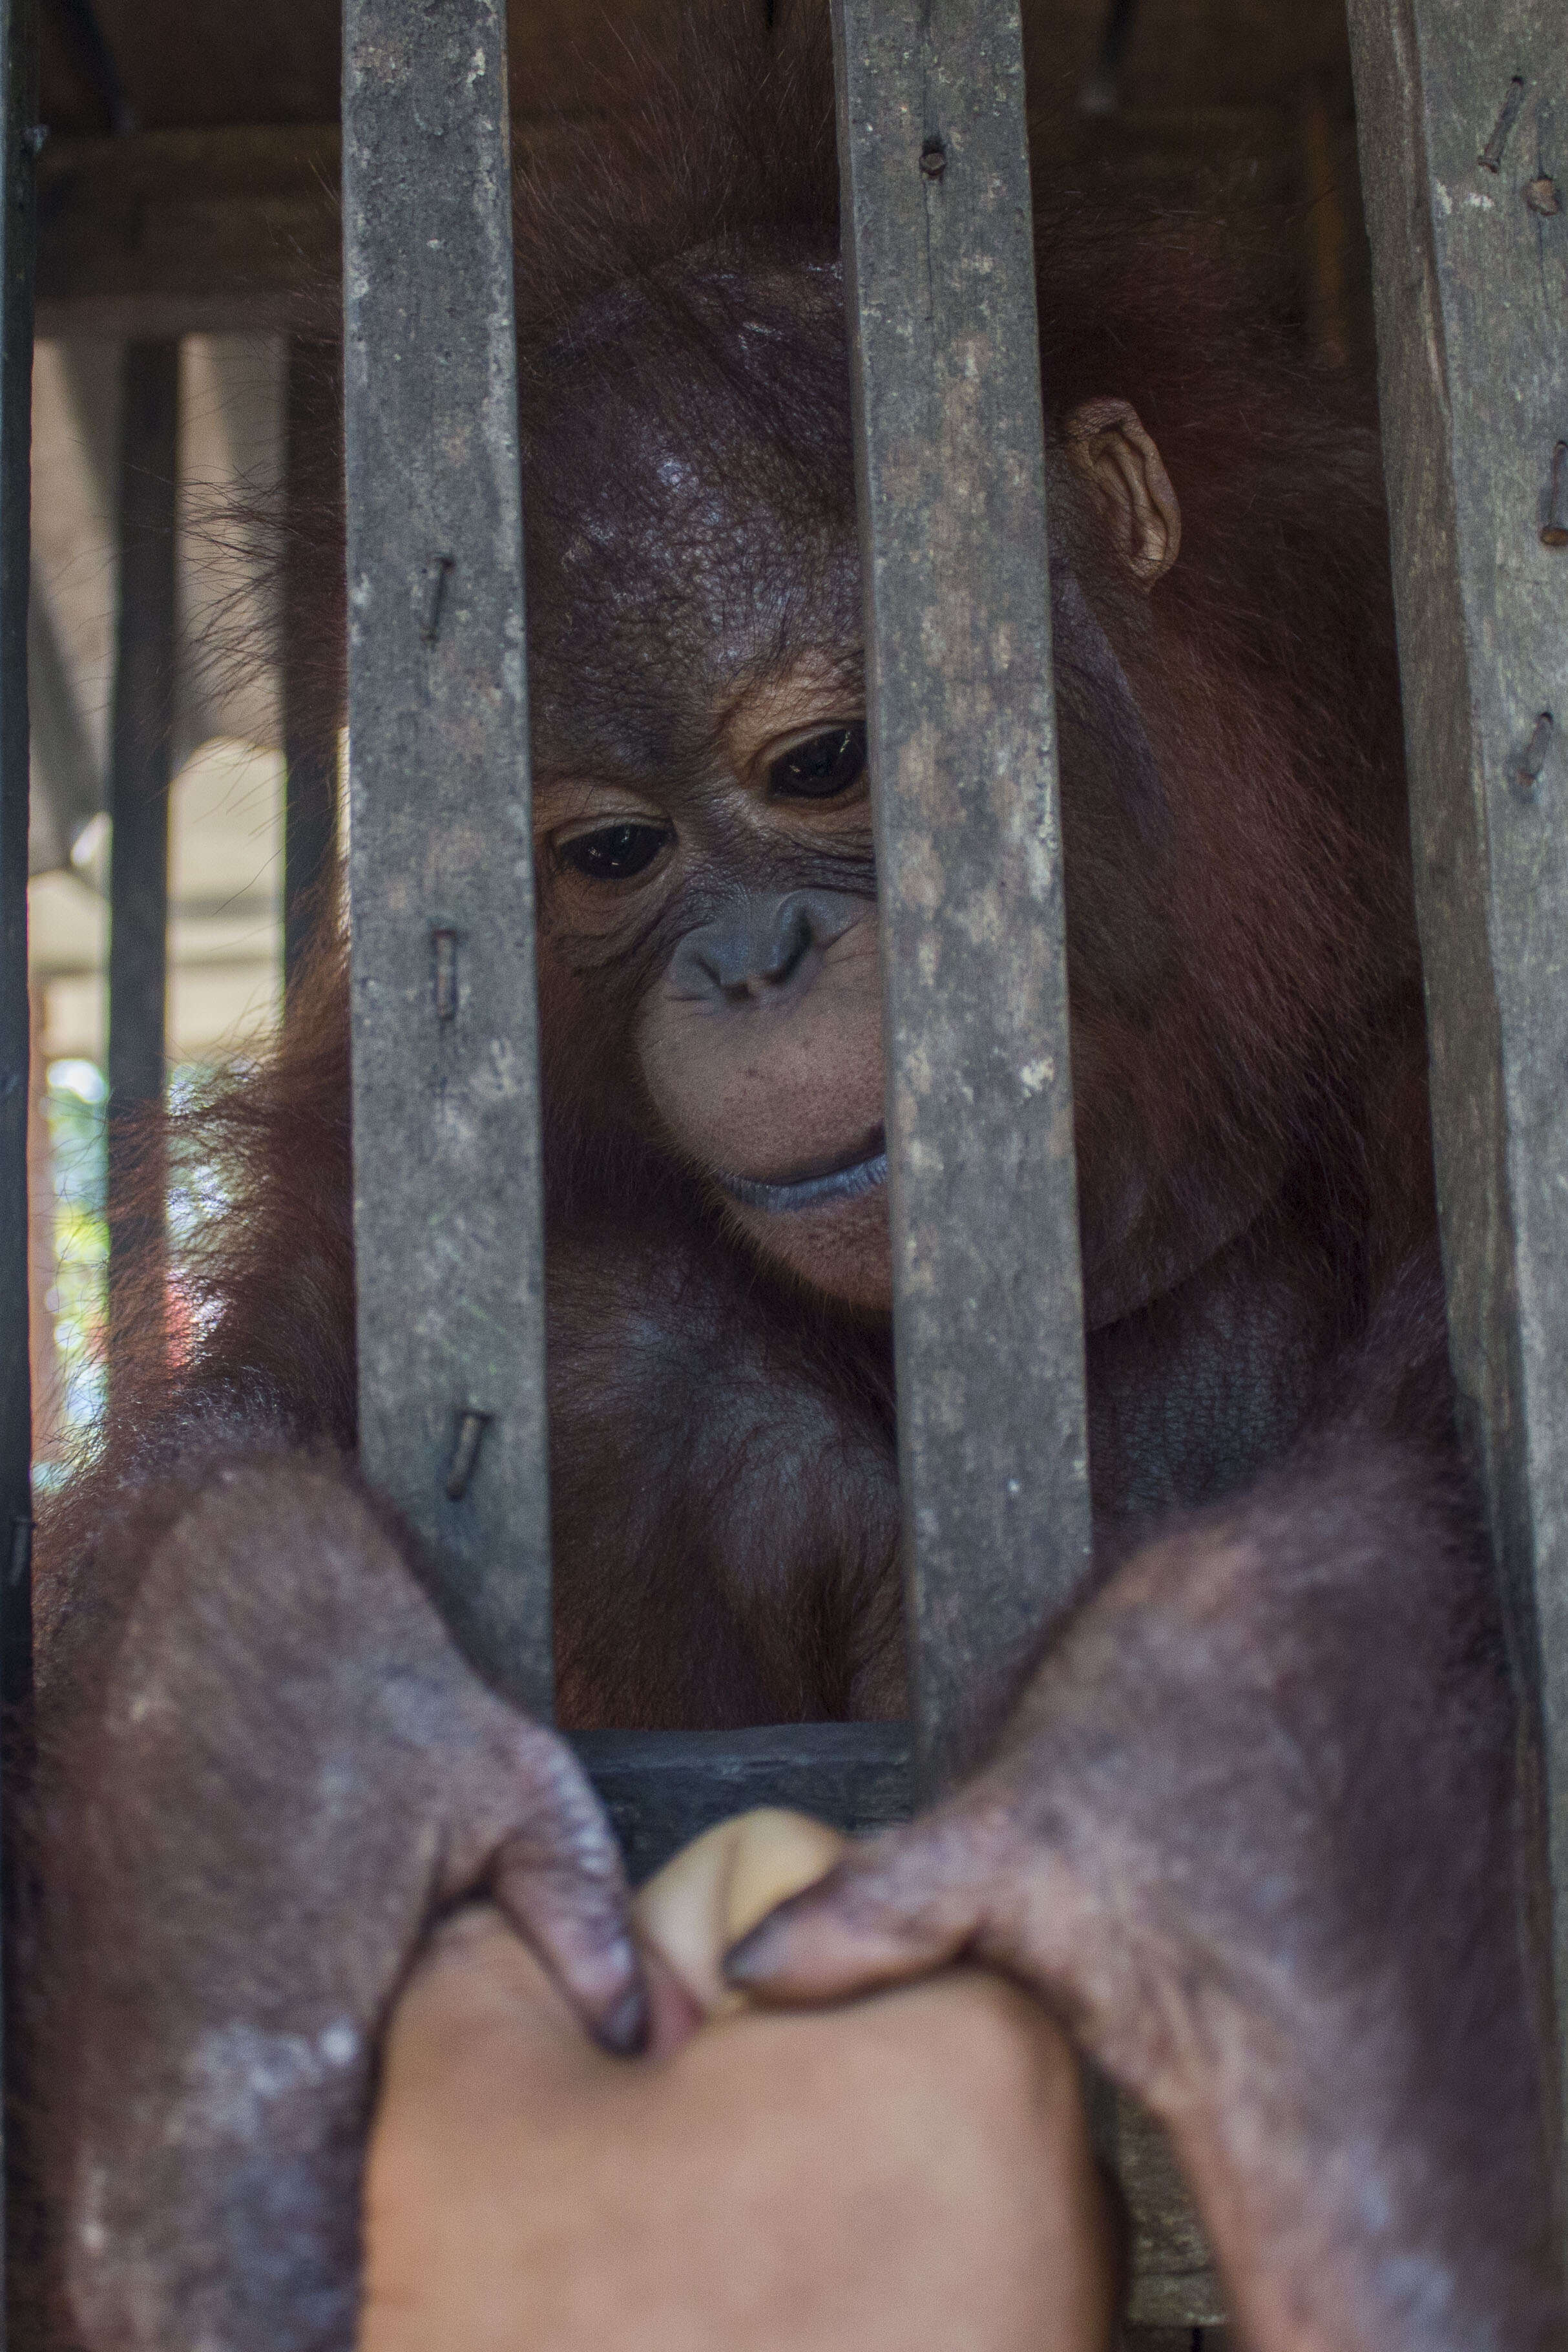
(912, 2169)
(1252, 1830)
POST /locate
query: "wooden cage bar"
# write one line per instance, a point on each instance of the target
(18, 77)
(988, 1313)
(933, 165)
(141, 769)
(1463, 121)
(1463, 126)
(448, 1223)
(311, 402)
(446, 1136)
(18, 84)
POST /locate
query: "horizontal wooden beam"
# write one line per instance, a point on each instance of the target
(172, 233)
(1464, 159)
(661, 1789)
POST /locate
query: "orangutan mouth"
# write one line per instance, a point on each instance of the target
(846, 1179)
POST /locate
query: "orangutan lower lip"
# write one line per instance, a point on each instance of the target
(849, 1180)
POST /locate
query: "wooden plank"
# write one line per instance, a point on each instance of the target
(312, 421)
(448, 1211)
(1463, 124)
(66, 771)
(661, 1789)
(140, 767)
(989, 1329)
(18, 89)
(188, 232)
(18, 86)
(169, 232)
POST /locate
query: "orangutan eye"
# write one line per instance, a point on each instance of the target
(613, 853)
(822, 767)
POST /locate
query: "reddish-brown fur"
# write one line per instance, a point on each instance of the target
(1287, 1039)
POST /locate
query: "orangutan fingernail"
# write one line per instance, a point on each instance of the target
(1527, 773)
(1491, 157)
(625, 2028)
(1554, 530)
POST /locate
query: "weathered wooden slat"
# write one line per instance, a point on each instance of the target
(1463, 124)
(169, 232)
(18, 85)
(140, 766)
(166, 233)
(661, 1789)
(312, 405)
(448, 1230)
(935, 168)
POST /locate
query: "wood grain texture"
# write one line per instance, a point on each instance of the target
(1463, 111)
(448, 1217)
(939, 256)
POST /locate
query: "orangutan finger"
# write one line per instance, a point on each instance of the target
(898, 1908)
(559, 1877)
(721, 1885)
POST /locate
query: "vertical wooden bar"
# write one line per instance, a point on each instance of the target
(1323, 226)
(18, 86)
(139, 768)
(448, 1223)
(19, 90)
(1463, 125)
(312, 443)
(988, 1325)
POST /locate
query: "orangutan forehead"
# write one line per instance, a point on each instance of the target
(707, 292)
(639, 643)
(690, 500)
(726, 375)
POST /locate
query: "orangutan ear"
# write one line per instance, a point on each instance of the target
(1121, 466)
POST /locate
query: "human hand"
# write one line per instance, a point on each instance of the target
(914, 2168)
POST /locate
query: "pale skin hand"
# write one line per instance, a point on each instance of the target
(914, 2168)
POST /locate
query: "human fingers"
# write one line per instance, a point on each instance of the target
(720, 1885)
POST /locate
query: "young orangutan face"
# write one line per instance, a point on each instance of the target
(758, 1032)
(702, 797)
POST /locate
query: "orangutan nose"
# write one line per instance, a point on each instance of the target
(763, 949)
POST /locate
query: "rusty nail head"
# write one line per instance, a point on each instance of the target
(437, 572)
(471, 1428)
(1554, 530)
(934, 159)
(1527, 773)
(1491, 156)
(444, 946)
(1543, 197)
